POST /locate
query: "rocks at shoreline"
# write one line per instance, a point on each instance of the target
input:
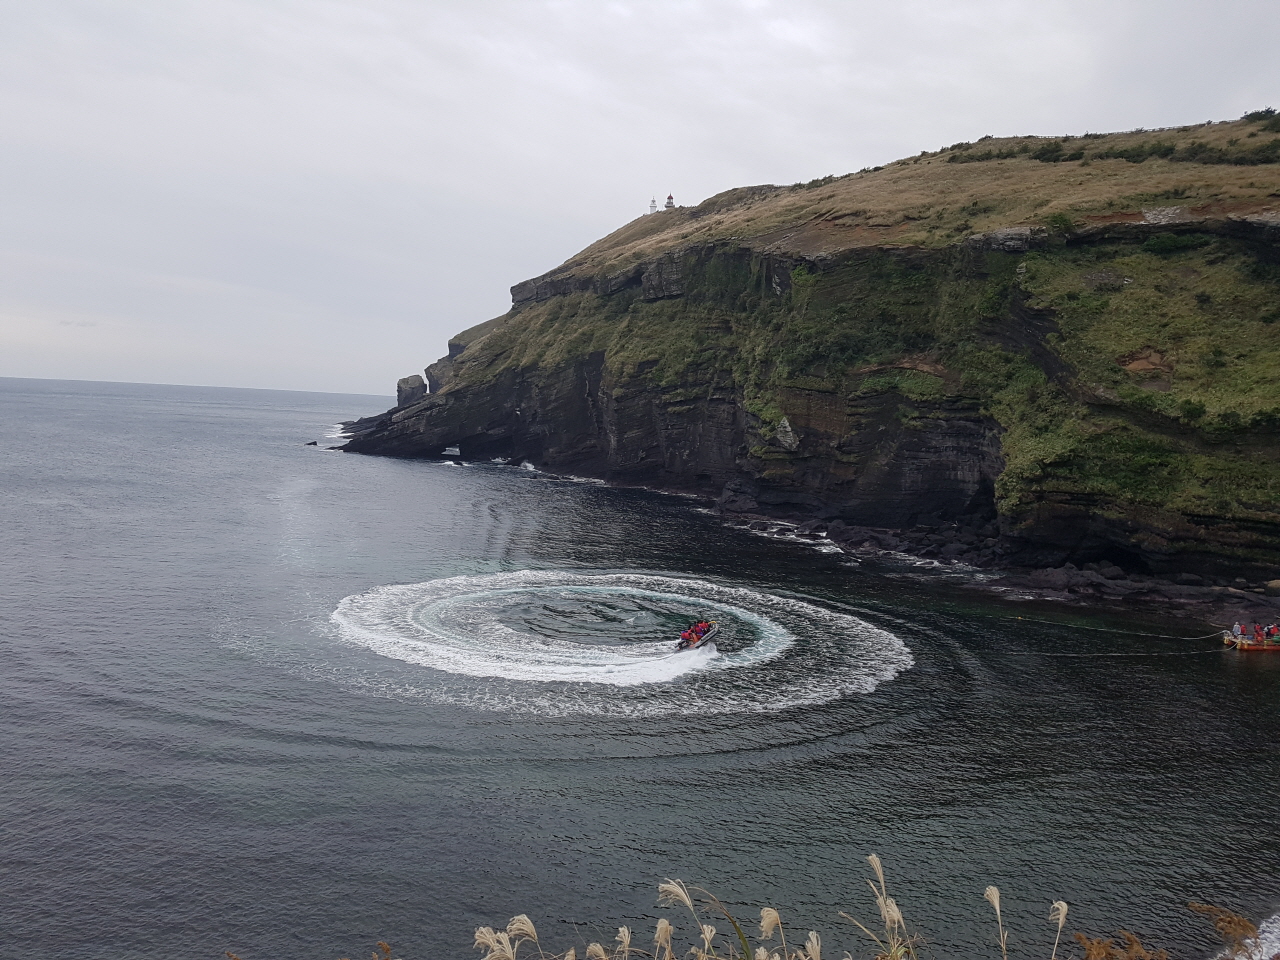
(978, 546)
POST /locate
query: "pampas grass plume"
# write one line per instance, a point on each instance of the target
(1058, 915)
(671, 892)
(662, 935)
(497, 944)
(769, 920)
(596, 952)
(522, 927)
(992, 896)
(878, 868)
(813, 946)
(891, 914)
(708, 934)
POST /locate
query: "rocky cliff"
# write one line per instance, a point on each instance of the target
(1052, 350)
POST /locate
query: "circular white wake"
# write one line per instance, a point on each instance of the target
(562, 643)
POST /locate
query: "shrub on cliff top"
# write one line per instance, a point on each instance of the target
(1060, 222)
(1137, 153)
(1267, 116)
(1053, 152)
(1164, 244)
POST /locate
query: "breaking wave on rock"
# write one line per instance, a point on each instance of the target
(558, 643)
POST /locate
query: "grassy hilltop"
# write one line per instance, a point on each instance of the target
(1108, 304)
(934, 199)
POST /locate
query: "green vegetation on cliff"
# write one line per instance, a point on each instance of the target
(1170, 363)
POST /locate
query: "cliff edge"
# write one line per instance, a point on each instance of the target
(1032, 351)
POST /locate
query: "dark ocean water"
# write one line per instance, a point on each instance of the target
(263, 697)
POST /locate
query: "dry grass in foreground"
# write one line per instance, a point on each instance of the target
(891, 939)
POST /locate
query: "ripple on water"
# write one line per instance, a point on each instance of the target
(556, 643)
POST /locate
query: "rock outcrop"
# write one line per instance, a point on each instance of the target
(410, 390)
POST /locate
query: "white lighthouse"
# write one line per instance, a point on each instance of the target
(653, 205)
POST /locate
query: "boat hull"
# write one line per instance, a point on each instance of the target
(1250, 646)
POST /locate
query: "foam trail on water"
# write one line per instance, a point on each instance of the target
(563, 643)
(1269, 937)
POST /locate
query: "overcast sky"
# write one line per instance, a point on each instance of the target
(314, 194)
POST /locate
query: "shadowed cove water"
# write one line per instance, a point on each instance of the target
(265, 697)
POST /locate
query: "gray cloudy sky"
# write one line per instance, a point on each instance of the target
(314, 194)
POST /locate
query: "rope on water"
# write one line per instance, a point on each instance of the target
(1185, 653)
(1127, 633)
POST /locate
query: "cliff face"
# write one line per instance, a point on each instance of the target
(880, 460)
(1103, 387)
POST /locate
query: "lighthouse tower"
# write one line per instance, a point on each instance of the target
(653, 205)
(670, 204)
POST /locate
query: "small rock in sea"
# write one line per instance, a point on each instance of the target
(312, 443)
(839, 530)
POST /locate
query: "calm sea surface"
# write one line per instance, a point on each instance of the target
(263, 697)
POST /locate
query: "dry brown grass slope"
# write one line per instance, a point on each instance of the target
(935, 199)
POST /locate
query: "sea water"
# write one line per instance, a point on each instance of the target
(271, 698)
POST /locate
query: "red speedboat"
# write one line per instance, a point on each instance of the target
(703, 640)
